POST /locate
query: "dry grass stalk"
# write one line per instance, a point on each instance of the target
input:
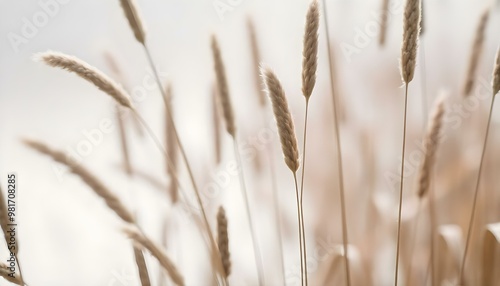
(286, 129)
(134, 19)
(123, 142)
(223, 88)
(217, 125)
(158, 253)
(223, 240)
(431, 143)
(95, 184)
(141, 266)
(310, 51)
(256, 59)
(87, 72)
(4, 273)
(496, 74)
(477, 50)
(491, 251)
(411, 29)
(172, 150)
(383, 22)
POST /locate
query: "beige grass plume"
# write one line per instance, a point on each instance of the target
(283, 118)
(87, 72)
(411, 30)
(4, 217)
(310, 51)
(223, 240)
(496, 74)
(383, 22)
(134, 19)
(216, 121)
(157, 252)
(141, 266)
(223, 88)
(431, 143)
(477, 50)
(97, 186)
(256, 59)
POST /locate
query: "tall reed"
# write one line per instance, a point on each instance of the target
(227, 110)
(286, 132)
(135, 21)
(411, 29)
(495, 87)
(309, 67)
(340, 168)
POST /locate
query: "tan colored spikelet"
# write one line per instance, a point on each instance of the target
(496, 74)
(256, 58)
(286, 129)
(383, 22)
(411, 29)
(87, 72)
(4, 273)
(172, 149)
(223, 88)
(157, 252)
(95, 184)
(477, 50)
(431, 143)
(134, 19)
(223, 240)
(310, 51)
(141, 267)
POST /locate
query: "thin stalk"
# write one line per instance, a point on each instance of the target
(277, 212)
(300, 228)
(20, 271)
(345, 239)
(188, 166)
(476, 191)
(302, 190)
(256, 248)
(401, 185)
(432, 217)
(413, 243)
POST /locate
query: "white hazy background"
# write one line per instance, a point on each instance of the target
(67, 234)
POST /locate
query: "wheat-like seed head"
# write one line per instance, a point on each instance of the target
(223, 240)
(431, 144)
(134, 19)
(283, 118)
(157, 252)
(87, 72)
(141, 266)
(496, 74)
(477, 50)
(411, 29)
(95, 184)
(4, 273)
(216, 124)
(310, 52)
(383, 22)
(254, 45)
(223, 88)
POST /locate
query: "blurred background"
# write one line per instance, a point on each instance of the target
(69, 237)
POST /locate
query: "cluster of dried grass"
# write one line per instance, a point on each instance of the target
(218, 240)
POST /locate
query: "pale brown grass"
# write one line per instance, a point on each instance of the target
(223, 240)
(134, 19)
(476, 52)
(411, 29)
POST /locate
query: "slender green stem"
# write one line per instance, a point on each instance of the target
(300, 229)
(401, 186)
(256, 248)
(302, 191)
(476, 191)
(345, 239)
(188, 167)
